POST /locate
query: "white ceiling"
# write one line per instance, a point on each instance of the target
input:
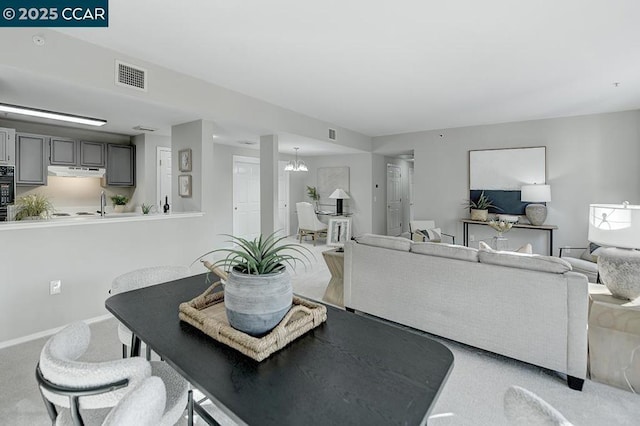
(394, 67)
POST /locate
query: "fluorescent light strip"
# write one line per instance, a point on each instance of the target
(34, 112)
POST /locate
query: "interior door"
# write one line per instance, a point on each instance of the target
(394, 200)
(164, 176)
(246, 197)
(282, 225)
(411, 202)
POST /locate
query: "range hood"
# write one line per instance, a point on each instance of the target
(76, 171)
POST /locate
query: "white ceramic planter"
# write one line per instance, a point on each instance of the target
(255, 304)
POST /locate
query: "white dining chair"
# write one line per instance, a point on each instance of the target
(86, 391)
(308, 223)
(523, 407)
(141, 278)
(143, 406)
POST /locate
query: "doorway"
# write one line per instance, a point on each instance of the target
(163, 180)
(394, 200)
(246, 197)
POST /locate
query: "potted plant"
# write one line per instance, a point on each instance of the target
(33, 207)
(312, 192)
(146, 208)
(480, 208)
(119, 201)
(258, 291)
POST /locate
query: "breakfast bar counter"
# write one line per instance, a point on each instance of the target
(94, 220)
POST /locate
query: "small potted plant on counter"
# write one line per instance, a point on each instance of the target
(258, 291)
(33, 207)
(119, 201)
(312, 192)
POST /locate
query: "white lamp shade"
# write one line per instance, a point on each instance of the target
(339, 194)
(614, 225)
(535, 193)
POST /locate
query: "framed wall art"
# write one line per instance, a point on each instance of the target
(339, 231)
(184, 159)
(501, 173)
(184, 186)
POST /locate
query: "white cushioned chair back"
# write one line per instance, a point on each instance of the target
(143, 406)
(420, 225)
(147, 277)
(522, 407)
(59, 365)
(307, 218)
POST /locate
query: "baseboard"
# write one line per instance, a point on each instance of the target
(49, 332)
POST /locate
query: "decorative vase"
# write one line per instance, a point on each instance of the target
(255, 304)
(118, 208)
(619, 270)
(479, 215)
(536, 213)
(500, 243)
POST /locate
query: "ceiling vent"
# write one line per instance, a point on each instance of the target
(332, 134)
(128, 75)
(145, 128)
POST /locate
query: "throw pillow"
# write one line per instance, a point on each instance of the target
(591, 254)
(433, 235)
(527, 248)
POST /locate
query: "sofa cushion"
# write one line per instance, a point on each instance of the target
(446, 250)
(532, 262)
(393, 243)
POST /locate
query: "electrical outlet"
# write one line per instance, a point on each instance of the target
(55, 287)
(472, 237)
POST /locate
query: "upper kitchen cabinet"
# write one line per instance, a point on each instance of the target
(92, 154)
(31, 159)
(64, 152)
(121, 165)
(7, 146)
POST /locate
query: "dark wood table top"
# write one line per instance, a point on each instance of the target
(350, 370)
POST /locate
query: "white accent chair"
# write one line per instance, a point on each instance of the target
(523, 407)
(308, 223)
(96, 387)
(141, 278)
(420, 225)
(143, 406)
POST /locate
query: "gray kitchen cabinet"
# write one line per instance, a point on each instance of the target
(31, 159)
(121, 163)
(7, 146)
(92, 154)
(64, 152)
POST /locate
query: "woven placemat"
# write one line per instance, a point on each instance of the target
(207, 313)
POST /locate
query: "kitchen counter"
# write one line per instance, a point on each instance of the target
(93, 220)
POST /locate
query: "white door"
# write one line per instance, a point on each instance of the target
(411, 193)
(246, 197)
(282, 225)
(163, 177)
(394, 200)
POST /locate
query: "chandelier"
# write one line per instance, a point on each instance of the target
(296, 165)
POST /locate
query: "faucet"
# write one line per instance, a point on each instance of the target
(103, 203)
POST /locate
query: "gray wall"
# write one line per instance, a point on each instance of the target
(590, 159)
(223, 184)
(360, 178)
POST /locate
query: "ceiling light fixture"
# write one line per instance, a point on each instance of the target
(43, 113)
(297, 165)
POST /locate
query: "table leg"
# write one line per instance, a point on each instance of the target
(465, 234)
(135, 345)
(550, 242)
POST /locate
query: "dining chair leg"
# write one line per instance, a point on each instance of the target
(190, 408)
(148, 353)
(124, 350)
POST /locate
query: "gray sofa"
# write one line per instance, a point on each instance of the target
(530, 308)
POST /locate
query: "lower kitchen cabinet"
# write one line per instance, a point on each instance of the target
(121, 161)
(31, 159)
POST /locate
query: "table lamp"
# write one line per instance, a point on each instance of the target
(339, 195)
(617, 227)
(536, 213)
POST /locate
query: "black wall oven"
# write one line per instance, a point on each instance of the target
(7, 189)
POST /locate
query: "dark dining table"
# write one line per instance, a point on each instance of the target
(352, 369)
